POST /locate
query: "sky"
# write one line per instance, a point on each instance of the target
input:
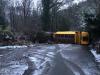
(63, 7)
(73, 2)
(78, 1)
(35, 1)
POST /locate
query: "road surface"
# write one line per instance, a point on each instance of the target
(44, 59)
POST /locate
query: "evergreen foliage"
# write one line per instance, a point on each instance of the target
(93, 24)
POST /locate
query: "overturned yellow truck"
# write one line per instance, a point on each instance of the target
(71, 37)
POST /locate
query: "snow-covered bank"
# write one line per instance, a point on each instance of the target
(15, 46)
(97, 56)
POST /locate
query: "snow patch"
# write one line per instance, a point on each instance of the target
(42, 58)
(64, 45)
(97, 56)
(14, 70)
(39, 51)
(40, 66)
(51, 47)
(15, 46)
(6, 47)
(77, 73)
(48, 48)
(39, 57)
(1, 55)
(78, 1)
(36, 61)
(50, 54)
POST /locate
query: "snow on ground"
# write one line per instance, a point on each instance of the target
(15, 46)
(63, 46)
(14, 69)
(35, 61)
(5, 47)
(40, 67)
(73, 53)
(78, 1)
(1, 55)
(42, 59)
(97, 56)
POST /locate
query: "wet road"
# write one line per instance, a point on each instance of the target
(60, 67)
(61, 59)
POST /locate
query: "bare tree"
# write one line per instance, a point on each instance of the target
(2, 13)
(50, 9)
(24, 18)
